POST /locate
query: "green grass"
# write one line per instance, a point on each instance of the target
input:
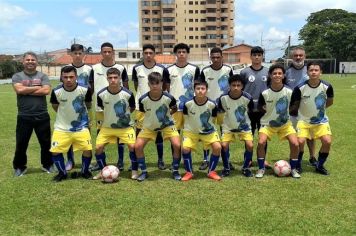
(314, 204)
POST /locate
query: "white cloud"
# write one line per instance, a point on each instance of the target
(44, 33)
(81, 12)
(90, 20)
(134, 44)
(11, 13)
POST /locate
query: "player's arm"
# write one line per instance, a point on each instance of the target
(53, 100)
(295, 102)
(88, 99)
(330, 96)
(141, 107)
(125, 79)
(134, 78)
(173, 105)
(221, 108)
(166, 80)
(214, 114)
(132, 103)
(261, 105)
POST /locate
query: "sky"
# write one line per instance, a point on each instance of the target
(41, 25)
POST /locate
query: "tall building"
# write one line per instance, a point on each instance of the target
(202, 24)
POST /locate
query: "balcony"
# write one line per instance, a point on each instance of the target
(168, 23)
(169, 41)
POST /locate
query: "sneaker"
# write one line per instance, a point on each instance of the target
(69, 165)
(321, 170)
(120, 165)
(61, 176)
(48, 170)
(294, 173)
(97, 176)
(313, 161)
(176, 175)
(19, 172)
(247, 172)
(299, 169)
(260, 173)
(160, 165)
(134, 174)
(231, 166)
(187, 176)
(267, 165)
(225, 173)
(142, 176)
(95, 167)
(204, 165)
(213, 175)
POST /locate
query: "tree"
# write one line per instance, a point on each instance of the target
(89, 50)
(330, 33)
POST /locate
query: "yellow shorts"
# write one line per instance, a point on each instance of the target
(99, 117)
(110, 135)
(168, 132)
(178, 119)
(139, 119)
(61, 141)
(282, 131)
(220, 119)
(190, 140)
(312, 131)
(242, 136)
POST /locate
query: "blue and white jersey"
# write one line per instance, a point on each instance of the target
(236, 111)
(295, 76)
(312, 107)
(157, 112)
(84, 75)
(218, 80)
(117, 107)
(198, 119)
(276, 104)
(72, 114)
(181, 80)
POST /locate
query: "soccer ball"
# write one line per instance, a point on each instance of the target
(282, 168)
(110, 174)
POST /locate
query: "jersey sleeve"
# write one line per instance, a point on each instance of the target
(165, 75)
(220, 106)
(134, 75)
(330, 92)
(140, 105)
(88, 96)
(45, 80)
(53, 98)
(296, 96)
(124, 76)
(197, 73)
(250, 105)
(132, 103)
(99, 102)
(202, 76)
(214, 112)
(261, 102)
(231, 73)
(173, 103)
(185, 110)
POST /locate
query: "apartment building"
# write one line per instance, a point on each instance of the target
(202, 24)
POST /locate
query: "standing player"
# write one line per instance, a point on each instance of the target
(274, 102)
(199, 113)
(157, 107)
(70, 101)
(310, 100)
(235, 105)
(117, 103)
(216, 75)
(100, 82)
(140, 78)
(295, 75)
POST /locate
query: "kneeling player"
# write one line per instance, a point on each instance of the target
(117, 103)
(199, 126)
(275, 102)
(70, 101)
(235, 106)
(157, 107)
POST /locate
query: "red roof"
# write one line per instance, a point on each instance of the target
(165, 58)
(90, 59)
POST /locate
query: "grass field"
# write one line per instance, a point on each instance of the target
(312, 205)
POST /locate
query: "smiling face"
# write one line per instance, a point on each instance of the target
(30, 63)
(277, 77)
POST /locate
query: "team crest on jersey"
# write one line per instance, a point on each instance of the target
(251, 78)
(264, 78)
(54, 144)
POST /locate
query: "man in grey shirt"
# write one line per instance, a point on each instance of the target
(31, 87)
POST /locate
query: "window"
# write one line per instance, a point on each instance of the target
(196, 20)
(211, 45)
(138, 55)
(196, 37)
(145, 3)
(147, 37)
(167, 19)
(191, 37)
(156, 20)
(202, 29)
(146, 20)
(134, 55)
(203, 45)
(191, 29)
(191, 11)
(211, 19)
(211, 28)
(211, 36)
(191, 3)
(196, 11)
(167, 11)
(122, 55)
(156, 29)
(156, 37)
(155, 12)
(191, 20)
(191, 45)
(197, 45)
(202, 20)
(168, 45)
(196, 29)
(202, 3)
(168, 36)
(146, 12)
(168, 28)
(203, 11)
(156, 3)
(146, 29)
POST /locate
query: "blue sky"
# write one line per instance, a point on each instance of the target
(41, 25)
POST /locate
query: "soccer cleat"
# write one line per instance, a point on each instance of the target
(187, 176)
(69, 165)
(260, 173)
(294, 173)
(204, 165)
(95, 167)
(247, 172)
(142, 176)
(61, 176)
(120, 165)
(134, 175)
(176, 175)
(231, 166)
(313, 161)
(225, 173)
(299, 169)
(48, 170)
(160, 165)
(213, 175)
(97, 176)
(321, 170)
(86, 175)
(267, 165)
(19, 172)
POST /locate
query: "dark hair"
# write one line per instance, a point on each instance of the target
(181, 46)
(154, 78)
(67, 69)
(107, 45)
(113, 70)
(31, 54)
(76, 47)
(270, 71)
(315, 63)
(215, 50)
(200, 82)
(235, 78)
(148, 46)
(257, 49)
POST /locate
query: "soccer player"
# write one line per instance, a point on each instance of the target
(117, 103)
(235, 106)
(216, 75)
(295, 75)
(310, 100)
(157, 107)
(100, 82)
(84, 78)
(140, 74)
(275, 102)
(199, 113)
(70, 100)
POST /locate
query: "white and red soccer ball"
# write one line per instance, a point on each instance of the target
(110, 174)
(282, 168)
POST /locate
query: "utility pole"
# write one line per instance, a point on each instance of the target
(288, 51)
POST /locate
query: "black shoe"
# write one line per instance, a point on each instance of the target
(142, 176)
(247, 172)
(120, 165)
(86, 175)
(299, 170)
(95, 167)
(176, 175)
(20, 172)
(231, 166)
(313, 161)
(61, 176)
(204, 165)
(225, 173)
(321, 170)
(160, 165)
